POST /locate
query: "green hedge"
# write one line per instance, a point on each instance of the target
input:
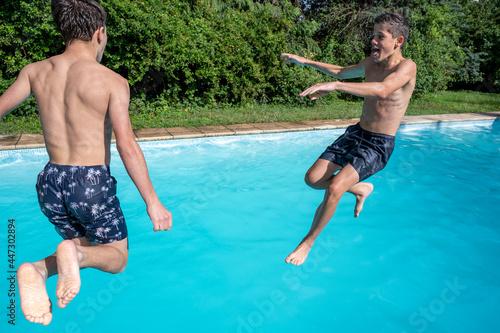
(214, 52)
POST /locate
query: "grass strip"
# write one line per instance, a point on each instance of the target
(447, 102)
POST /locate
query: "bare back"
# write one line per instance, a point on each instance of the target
(73, 97)
(384, 115)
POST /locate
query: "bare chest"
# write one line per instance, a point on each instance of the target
(374, 74)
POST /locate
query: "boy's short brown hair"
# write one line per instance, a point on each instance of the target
(78, 19)
(397, 25)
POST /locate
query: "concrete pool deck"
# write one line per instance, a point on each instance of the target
(26, 141)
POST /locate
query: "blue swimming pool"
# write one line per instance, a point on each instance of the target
(424, 256)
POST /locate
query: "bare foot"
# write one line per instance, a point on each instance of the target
(68, 269)
(299, 255)
(35, 302)
(364, 190)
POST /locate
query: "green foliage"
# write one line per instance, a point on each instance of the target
(479, 25)
(27, 34)
(433, 42)
(470, 72)
(433, 45)
(344, 31)
(198, 52)
(192, 53)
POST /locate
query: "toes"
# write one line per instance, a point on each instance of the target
(46, 319)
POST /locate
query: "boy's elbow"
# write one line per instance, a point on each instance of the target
(382, 92)
(383, 95)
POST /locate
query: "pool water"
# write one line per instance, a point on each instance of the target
(424, 256)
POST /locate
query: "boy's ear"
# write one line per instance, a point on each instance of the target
(100, 34)
(399, 41)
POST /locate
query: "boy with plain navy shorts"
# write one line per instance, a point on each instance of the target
(366, 147)
(80, 103)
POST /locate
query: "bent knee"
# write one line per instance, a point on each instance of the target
(124, 262)
(308, 180)
(120, 266)
(313, 181)
(335, 191)
(118, 255)
(121, 269)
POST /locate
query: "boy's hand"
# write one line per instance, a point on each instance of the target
(319, 90)
(292, 58)
(161, 217)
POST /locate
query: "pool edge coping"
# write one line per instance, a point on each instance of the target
(27, 141)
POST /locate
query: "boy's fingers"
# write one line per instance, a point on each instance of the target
(319, 94)
(308, 91)
(163, 225)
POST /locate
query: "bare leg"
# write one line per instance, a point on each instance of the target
(299, 255)
(111, 258)
(68, 269)
(70, 257)
(321, 174)
(343, 181)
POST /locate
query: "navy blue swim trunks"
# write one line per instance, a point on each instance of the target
(366, 151)
(81, 202)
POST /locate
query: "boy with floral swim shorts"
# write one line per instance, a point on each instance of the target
(80, 103)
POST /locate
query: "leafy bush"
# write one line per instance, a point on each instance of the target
(179, 53)
(27, 34)
(479, 25)
(201, 53)
(433, 45)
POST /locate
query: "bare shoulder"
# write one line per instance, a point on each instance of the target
(37, 66)
(113, 75)
(105, 72)
(99, 77)
(119, 82)
(119, 91)
(408, 64)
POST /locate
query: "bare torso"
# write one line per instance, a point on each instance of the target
(385, 115)
(73, 95)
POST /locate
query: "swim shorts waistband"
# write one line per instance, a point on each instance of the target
(74, 170)
(373, 134)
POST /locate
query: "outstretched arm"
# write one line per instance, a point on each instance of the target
(17, 93)
(378, 90)
(338, 72)
(133, 158)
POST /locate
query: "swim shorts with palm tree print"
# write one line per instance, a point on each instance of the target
(81, 202)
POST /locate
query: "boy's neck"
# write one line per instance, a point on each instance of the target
(82, 50)
(392, 60)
